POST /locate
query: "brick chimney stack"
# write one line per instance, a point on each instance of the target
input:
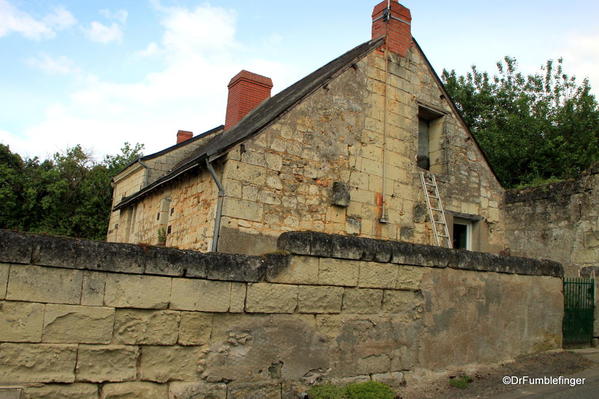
(183, 135)
(394, 24)
(246, 91)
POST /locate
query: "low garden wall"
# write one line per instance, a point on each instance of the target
(84, 319)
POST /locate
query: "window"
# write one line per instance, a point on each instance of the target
(430, 129)
(462, 234)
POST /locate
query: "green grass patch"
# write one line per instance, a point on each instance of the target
(363, 390)
(460, 382)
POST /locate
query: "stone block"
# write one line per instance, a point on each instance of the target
(394, 379)
(407, 303)
(338, 272)
(78, 324)
(92, 293)
(37, 363)
(195, 328)
(242, 209)
(319, 299)
(271, 298)
(409, 277)
(146, 327)
(264, 390)
(190, 390)
(362, 300)
(377, 275)
(11, 393)
(62, 391)
(238, 294)
(295, 243)
(110, 363)
(21, 321)
(173, 262)
(301, 270)
(169, 363)
(134, 390)
(4, 269)
(44, 284)
(15, 247)
(232, 267)
(202, 295)
(131, 291)
(86, 254)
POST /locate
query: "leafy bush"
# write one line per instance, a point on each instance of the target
(364, 390)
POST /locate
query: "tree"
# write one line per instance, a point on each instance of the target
(69, 194)
(532, 128)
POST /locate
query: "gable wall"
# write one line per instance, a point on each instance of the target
(151, 171)
(281, 180)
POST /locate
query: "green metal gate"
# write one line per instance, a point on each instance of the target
(579, 307)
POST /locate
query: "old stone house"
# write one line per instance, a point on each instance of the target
(340, 151)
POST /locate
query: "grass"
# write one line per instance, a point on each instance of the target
(460, 382)
(363, 390)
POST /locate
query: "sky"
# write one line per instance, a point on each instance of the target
(101, 73)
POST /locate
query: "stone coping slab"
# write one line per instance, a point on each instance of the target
(397, 252)
(71, 253)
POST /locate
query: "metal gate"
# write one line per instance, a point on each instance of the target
(579, 307)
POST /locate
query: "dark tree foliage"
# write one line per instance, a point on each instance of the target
(69, 194)
(533, 128)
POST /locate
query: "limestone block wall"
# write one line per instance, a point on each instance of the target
(84, 319)
(559, 221)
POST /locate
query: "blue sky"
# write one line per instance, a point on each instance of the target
(99, 73)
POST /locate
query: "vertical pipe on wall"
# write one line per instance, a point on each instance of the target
(219, 206)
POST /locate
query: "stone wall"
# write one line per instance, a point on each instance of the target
(559, 221)
(84, 319)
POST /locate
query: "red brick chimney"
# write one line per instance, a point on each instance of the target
(394, 23)
(246, 91)
(183, 135)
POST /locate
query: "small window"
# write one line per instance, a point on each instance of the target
(462, 234)
(168, 230)
(172, 211)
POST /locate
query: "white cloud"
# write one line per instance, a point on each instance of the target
(53, 65)
(119, 15)
(98, 32)
(150, 50)
(201, 54)
(15, 20)
(581, 57)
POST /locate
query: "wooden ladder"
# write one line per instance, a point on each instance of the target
(435, 209)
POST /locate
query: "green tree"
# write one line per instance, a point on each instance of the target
(70, 194)
(532, 128)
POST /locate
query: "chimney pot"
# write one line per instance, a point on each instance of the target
(183, 135)
(395, 26)
(246, 91)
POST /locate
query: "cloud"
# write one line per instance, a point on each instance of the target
(581, 57)
(17, 21)
(119, 15)
(100, 33)
(53, 65)
(199, 52)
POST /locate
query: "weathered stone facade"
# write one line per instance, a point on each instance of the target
(83, 319)
(354, 131)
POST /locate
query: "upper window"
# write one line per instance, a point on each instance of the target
(430, 128)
